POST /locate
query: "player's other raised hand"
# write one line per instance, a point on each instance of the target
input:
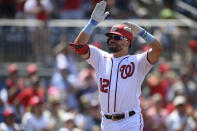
(136, 29)
(99, 13)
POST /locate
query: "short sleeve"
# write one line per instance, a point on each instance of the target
(95, 56)
(144, 64)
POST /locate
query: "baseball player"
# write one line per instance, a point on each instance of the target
(119, 75)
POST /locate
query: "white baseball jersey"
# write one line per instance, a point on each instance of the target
(119, 80)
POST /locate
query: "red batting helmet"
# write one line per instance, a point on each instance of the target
(121, 30)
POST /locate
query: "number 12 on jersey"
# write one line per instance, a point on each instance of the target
(104, 85)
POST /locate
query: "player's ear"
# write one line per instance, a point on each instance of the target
(128, 43)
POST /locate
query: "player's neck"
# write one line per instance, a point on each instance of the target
(120, 53)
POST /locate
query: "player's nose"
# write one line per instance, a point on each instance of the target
(111, 40)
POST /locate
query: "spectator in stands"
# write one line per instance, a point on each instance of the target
(35, 120)
(87, 81)
(189, 88)
(72, 9)
(14, 84)
(160, 81)
(69, 122)
(65, 67)
(34, 90)
(180, 118)
(185, 86)
(54, 112)
(95, 113)
(9, 123)
(38, 10)
(32, 72)
(87, 105)
(146, 104)
(20, 14)
(64, 77)
(157, 114)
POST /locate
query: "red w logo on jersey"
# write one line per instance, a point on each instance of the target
(127, 70)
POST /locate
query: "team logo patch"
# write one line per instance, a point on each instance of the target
(114, 28)
(127, 70)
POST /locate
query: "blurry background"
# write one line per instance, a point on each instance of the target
(44, 85)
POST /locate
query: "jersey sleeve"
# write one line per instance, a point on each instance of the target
(144, 64)
(95, 56)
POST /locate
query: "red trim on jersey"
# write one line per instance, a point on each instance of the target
(107, 56)
(117, 83)
(110, 84)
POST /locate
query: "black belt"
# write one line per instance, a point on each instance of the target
(116, 117)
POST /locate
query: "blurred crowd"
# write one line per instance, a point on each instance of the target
(38, 41)
(81, 9)
(68, 101)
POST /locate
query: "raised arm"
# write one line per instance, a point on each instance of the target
(155, 51)
(156, 48)
(80, 43)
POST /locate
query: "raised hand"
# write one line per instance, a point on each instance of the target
(99, 13)
(136, 30)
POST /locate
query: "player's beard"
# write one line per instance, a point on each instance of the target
(114, 49)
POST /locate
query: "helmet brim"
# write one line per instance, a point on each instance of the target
(112, 33)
